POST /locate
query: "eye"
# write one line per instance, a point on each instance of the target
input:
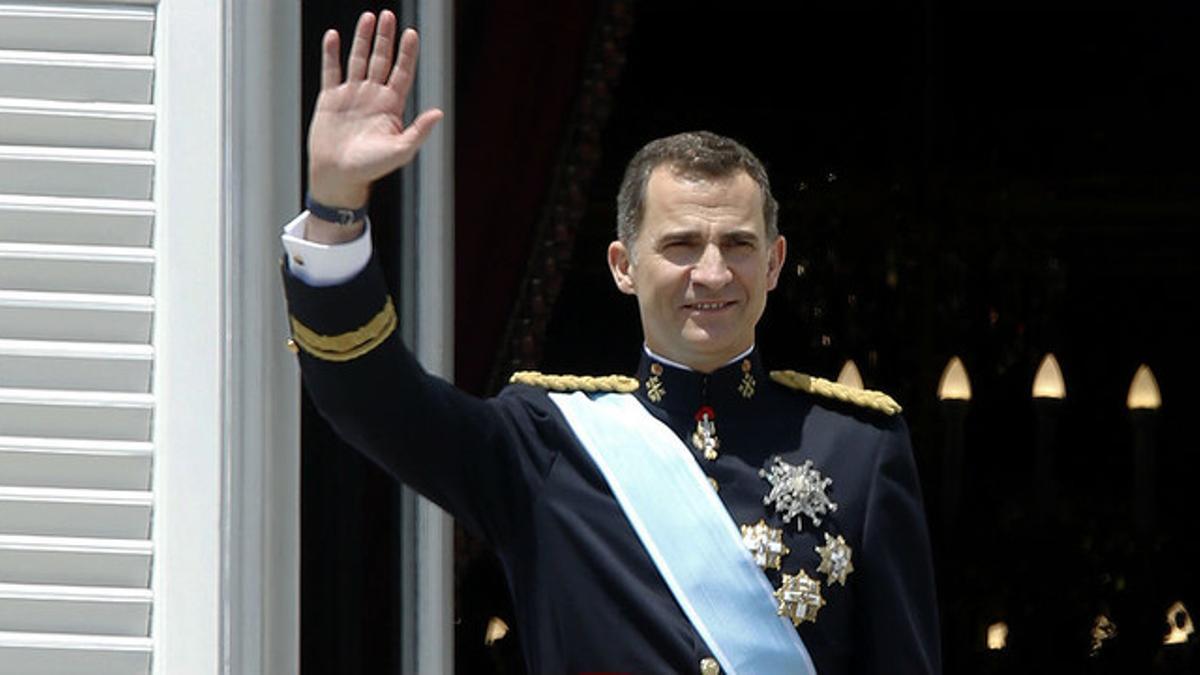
(676, 244)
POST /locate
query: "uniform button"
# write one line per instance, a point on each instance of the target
(298, 260)
(713, 481)
(292, 346)
(709, 666)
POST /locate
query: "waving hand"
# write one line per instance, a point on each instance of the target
(357, 133)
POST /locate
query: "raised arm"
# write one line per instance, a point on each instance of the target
(358, 135)
(467, 454)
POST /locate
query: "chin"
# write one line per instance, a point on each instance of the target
(713, 349)
(708, 338)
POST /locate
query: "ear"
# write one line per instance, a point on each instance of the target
(619, 264)
(775, 258)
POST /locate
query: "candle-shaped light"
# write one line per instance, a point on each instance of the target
(1143, 401)
(1103, 629)
(1143, 391)
(849, 375)
(954, 385)
(1049, 390)
(1179, 624)
(1048, 383)
(954, 391)
(1178, 645)
(997, 636)
(495, 632)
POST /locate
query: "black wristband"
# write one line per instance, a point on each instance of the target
(334, 214)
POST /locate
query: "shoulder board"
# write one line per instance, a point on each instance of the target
(607, 383)
(875, 400)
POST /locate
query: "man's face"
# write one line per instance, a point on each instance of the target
(700, 267)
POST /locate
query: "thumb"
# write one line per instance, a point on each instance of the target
(414, 136)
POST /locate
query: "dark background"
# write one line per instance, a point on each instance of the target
(993, 182)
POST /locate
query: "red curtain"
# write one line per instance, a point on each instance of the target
(518, 75)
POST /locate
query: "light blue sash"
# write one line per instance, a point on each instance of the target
(688, 533)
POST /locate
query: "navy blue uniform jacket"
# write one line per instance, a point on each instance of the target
(587, 595)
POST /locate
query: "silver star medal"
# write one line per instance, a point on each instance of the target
(797, 490)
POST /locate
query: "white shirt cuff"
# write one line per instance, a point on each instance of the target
(324, 264)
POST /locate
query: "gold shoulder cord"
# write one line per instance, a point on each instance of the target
(866, 398)
(347, 346)
(607, 383)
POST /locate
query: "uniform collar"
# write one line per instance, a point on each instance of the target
(676, 388)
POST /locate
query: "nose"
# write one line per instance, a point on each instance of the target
(711, 270)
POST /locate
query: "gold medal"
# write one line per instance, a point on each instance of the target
(799, 598)
(765, 544)
(835, 560)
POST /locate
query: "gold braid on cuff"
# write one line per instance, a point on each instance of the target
(347, 346)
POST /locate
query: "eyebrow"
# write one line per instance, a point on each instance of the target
(679, 236)
(691, 236)
(740, 237)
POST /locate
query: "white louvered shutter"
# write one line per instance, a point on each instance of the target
(77, 259)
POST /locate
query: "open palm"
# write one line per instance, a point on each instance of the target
(357, 133)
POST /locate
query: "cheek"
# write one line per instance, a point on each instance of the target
(662, 280)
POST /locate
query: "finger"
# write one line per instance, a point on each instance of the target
(331, 66)
(406, 62)
(356, 65)
(414, 136)
(381, 54)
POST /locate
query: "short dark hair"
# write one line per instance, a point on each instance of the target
(693, 154)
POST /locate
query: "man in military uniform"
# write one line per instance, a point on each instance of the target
(704, 516)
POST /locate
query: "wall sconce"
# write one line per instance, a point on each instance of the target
(1049, 390)
(849, 375)
(1144, 400)
(954, 391)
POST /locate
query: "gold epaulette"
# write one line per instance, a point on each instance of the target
(606, 383)
(875, 400)
(350, 345)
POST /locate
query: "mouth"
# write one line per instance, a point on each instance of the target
(706, 307)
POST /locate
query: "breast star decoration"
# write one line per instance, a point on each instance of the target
(797, 490)
(765, 544)
(799, 598)
(835, 560)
